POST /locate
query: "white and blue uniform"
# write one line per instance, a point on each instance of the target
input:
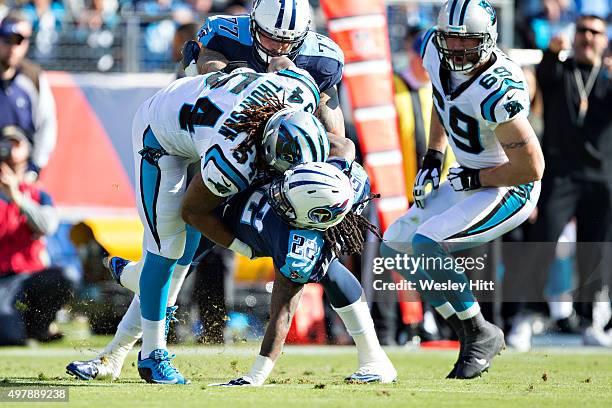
(470, 111)
(231, 36)
(188, 122)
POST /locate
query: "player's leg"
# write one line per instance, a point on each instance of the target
(481, 217)
(160, 187)
(108, 364)
(345, 295)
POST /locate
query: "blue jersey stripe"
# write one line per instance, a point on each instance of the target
(215, 155)
(463, 10)
(281, 14)
(487, 107)
(305, 80)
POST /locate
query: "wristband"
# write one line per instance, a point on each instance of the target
(241, 248)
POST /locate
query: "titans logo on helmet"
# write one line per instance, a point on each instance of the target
(327, 213)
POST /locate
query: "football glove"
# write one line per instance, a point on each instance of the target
(191, 53)
(464, 179)
(238, 382)
(429, 174)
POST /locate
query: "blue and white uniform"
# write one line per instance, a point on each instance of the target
(188, 122)
(231, 36)
(470, 108)
(301, 255)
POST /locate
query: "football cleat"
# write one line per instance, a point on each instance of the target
(115, 266)
(157, 369)
(238, 382)
(376, 372)
(170, 318)
(100, 368)
(479, 350)
(453, 372)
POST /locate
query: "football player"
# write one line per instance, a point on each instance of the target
(298, 220)
(234, 124)
(274, 28)
(481, 103)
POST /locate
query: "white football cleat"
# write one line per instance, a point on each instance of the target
(376, 372)
(594, 336)
(100, 368)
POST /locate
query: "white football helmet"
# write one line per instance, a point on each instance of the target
(359, 180)
(312, 195)
(466, 19)
(283, 21)
(292, 136)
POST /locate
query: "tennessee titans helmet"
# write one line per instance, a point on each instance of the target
(359, 180)
(468, 19)
(283, 21)
(312, 195)
(292, 136)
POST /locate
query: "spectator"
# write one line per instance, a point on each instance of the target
(577, 145)
(26, 100)
(31, 291)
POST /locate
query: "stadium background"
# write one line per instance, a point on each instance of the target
(103, 58)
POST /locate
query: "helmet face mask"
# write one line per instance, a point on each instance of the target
(312, 196)
(462, 59)
(460, 21)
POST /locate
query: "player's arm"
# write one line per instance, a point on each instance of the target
(437, 134)
(330, 115)
(197, 210)
(285, 300)
(525, 159)
(210, 61)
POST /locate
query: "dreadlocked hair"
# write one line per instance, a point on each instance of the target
(347, 237)
(253, 121)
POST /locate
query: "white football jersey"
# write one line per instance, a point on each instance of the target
(190, 119)
(471, 112)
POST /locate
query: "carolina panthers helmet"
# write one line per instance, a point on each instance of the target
(312, 195)
(292, 136)
(359, 180)
(465, 19)
(285, 21)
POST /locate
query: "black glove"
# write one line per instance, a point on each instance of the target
(429, 174)
(191, 53)
(464, 179)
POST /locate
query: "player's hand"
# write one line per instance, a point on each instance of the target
(191, 53)
(238, 382)
(428, 175)
(464, 179)
(279, 63)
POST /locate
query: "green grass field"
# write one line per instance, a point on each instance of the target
(311, 376)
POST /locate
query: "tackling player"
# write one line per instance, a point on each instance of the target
(481, 103)
(297, 220)
(274, 28)
(234, 125)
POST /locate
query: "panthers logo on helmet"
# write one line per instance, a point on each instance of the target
(489, 8)
(328, 213)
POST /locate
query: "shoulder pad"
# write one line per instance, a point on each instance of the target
(233, 27)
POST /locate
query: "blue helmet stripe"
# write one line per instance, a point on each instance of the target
(452, 12)
(292, 23)
(463, 10)
(281, 14)
(300, 171)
